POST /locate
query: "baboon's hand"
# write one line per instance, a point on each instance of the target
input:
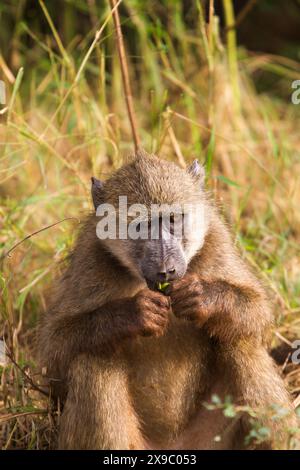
(188, 299)
(151, 313)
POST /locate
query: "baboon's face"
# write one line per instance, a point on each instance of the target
(171, 227)
(171, 242)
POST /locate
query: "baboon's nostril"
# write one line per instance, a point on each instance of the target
(162, 276)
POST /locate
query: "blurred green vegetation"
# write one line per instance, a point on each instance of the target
(268, 27)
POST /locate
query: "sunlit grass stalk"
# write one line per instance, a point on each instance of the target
(82, 66)
(56, 36)
(207, 49)
(207, 34)
(14, 93)
(232, 52)
(67, 61)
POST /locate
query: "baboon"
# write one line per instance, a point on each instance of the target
(134, 366)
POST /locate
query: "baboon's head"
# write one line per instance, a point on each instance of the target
(153, 216)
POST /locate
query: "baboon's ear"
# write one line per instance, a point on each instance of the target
(197, 171)
(96, 191)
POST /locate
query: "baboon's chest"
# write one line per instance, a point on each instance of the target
(167, 378)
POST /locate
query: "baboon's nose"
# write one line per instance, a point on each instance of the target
(166, 274)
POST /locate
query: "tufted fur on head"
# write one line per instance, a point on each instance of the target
(148, 180)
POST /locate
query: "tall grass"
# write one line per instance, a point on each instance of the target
(66, 120)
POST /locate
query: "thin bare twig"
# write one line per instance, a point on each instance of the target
(26, 376)
(35, 233)
(125, 75)
(8, 417)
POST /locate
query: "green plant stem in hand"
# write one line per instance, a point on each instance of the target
(161, 286)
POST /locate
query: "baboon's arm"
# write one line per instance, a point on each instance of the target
(95, 331)
(65, 335)
(227, 310)
(234, 310)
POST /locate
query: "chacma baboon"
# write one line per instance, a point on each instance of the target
(133, 366)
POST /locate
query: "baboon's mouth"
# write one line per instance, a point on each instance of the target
(157, 286)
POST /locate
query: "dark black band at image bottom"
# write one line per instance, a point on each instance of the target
(132, 459)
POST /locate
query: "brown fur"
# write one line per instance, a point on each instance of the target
(134, 366)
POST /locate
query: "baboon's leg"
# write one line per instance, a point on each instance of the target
(258, 384)
(98, 413)
(250, 377)
(210, 429)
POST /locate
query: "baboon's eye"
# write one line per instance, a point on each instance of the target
(143, 225)
(140, 226)
(176, 219)
(172, 222)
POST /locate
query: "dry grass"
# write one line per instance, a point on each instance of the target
(61, 127)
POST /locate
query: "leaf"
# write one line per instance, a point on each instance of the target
(161, 286)
(210, 153)
(228, 181)
(264, 432)
(229, 411)
(215, 399)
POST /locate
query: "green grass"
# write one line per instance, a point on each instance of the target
(66, 120)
